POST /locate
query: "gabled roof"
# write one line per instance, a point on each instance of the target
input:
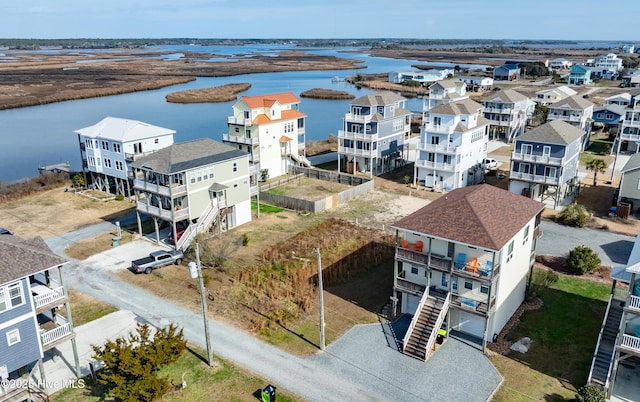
(188, 155)
(284, 115)
(449, 83)
(23, 257)
(123, 130)
(462, 106)
(509, 67)
(625, 95)
(284, 98)
(480, 215)
(616, 109)
(553, 132)
(578, 68)
(378, 99)
(561, 90)
(632, 164)
(572, 102)
(507, 96)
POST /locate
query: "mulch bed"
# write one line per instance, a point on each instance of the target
(600, 274)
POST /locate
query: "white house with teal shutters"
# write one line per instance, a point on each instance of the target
(32, 295)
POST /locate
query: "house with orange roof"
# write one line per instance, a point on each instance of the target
(271, 128)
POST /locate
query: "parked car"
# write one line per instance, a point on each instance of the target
(156, 259)
(179, 232)
(490, 164)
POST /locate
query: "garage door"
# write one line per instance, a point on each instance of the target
(471, 324)
(412, 304)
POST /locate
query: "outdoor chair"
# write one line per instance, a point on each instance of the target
(461, 261)
(487, 269)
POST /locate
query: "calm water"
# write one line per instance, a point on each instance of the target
(44, 135)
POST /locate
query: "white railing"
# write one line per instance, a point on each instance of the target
(358, 152)
(448, 167)
(445, 149)
(53, 335)
(358, 117)
(179, 215)
(240, 139)
(159, 189)
(534, 178)
(439, 128)
(412, 326)
(630, 342)
(634, 302)
(239, 120)
(553, 116)
(630, 137)
(49, 297)
(357, 136)
(620, 294)
(543, 159)
(613, 358)
(254, 168)
(204, 222)
(501, 110)
(604, 324)
(438, 324)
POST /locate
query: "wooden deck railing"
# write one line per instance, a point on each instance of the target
(49, 297)
(55, 334)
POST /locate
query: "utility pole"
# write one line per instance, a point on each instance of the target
(320, 287)
(195, 271)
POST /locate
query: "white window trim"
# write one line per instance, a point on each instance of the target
(15, 334)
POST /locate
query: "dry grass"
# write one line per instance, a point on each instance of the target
(223, 93)
(307, 188)
(85, 308)
(321, 93)
(84, 249)
(56, 212)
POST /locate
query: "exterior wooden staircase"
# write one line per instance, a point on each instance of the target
(603, 357)
(421, 335)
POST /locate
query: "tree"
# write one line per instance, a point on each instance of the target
(131, 364)
(573, 215)
(596, 165)
(590, 393)
(77, 181)
(582, 260)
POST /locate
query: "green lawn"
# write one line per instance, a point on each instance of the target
(223, 382)
(265, 208)
(564, 333)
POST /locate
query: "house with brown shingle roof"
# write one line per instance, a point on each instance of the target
(544, 163)
(452, 146)
(444, 91)
(271, 128)
(31, 293)
(374, 133)
(461, 264)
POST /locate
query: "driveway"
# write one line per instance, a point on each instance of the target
(360, 366)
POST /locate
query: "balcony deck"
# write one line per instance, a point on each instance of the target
(539, 159)
(240, 139)
(358, 136)
(157, 188)
(56, 336)
(436, 261)
(535, 178)
(373, 153)
(630, 344)
(166, 214)
(409, 287)
(442, 149)
(445, 167)
(46, 298)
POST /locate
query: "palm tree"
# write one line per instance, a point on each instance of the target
(596, 166)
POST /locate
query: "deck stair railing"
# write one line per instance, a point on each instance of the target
(436, 327)
(405, 340)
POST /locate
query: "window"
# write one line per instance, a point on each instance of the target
(237, 129)
(107, 162)
(484, 289)
(98, 162)
(15, 294)
(526, 232)
(454, 284)
(192, 177)
(116, 148)
(468, 284)
(13, 337)
(3, 302)
(119, 165)
(235, 167)
(414, 270)
(526, 149)
(444, 282)
(91, 161)
(105, 145)
(89, 143)
(156, 141)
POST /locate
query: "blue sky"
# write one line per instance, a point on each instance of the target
(488, 19)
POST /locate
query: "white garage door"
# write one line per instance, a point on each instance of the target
(471, 324)
(412, 304)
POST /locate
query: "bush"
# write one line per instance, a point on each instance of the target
(78, 181)
(582, 260)
(573, 215)
(406, 179)
(542, 279)
(119, 197)
(590, 393)
(245, 239)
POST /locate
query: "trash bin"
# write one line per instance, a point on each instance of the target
(269, 394)
(115, 241)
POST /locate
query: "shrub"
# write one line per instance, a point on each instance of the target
(78, 181)
(264, 174)
(119, 197)
(590, 393)
(245, 239)
(542, 279)
(582, 260)
(573, 215)
(406, 179)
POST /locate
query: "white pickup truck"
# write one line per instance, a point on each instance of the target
(157, 259)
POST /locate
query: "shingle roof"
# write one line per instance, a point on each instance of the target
(188, 155)
(480, 215)
(284, 98)
(284, 115)
(617, 109)
(23, 257)
(122, 130)
(508, 95)
(449, 83)
(553, 132)
(632, 164)
(572, 102)
(378, 99)
(462, 106)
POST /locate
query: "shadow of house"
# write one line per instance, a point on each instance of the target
(618, 251)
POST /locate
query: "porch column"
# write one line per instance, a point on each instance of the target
(67, 307)
(155, 225)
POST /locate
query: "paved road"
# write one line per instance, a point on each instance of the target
(613, 249)
(360, 371)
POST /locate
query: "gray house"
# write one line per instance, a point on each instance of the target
(629, 190)
(544, 162)
(506, 72)
(30, 297)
